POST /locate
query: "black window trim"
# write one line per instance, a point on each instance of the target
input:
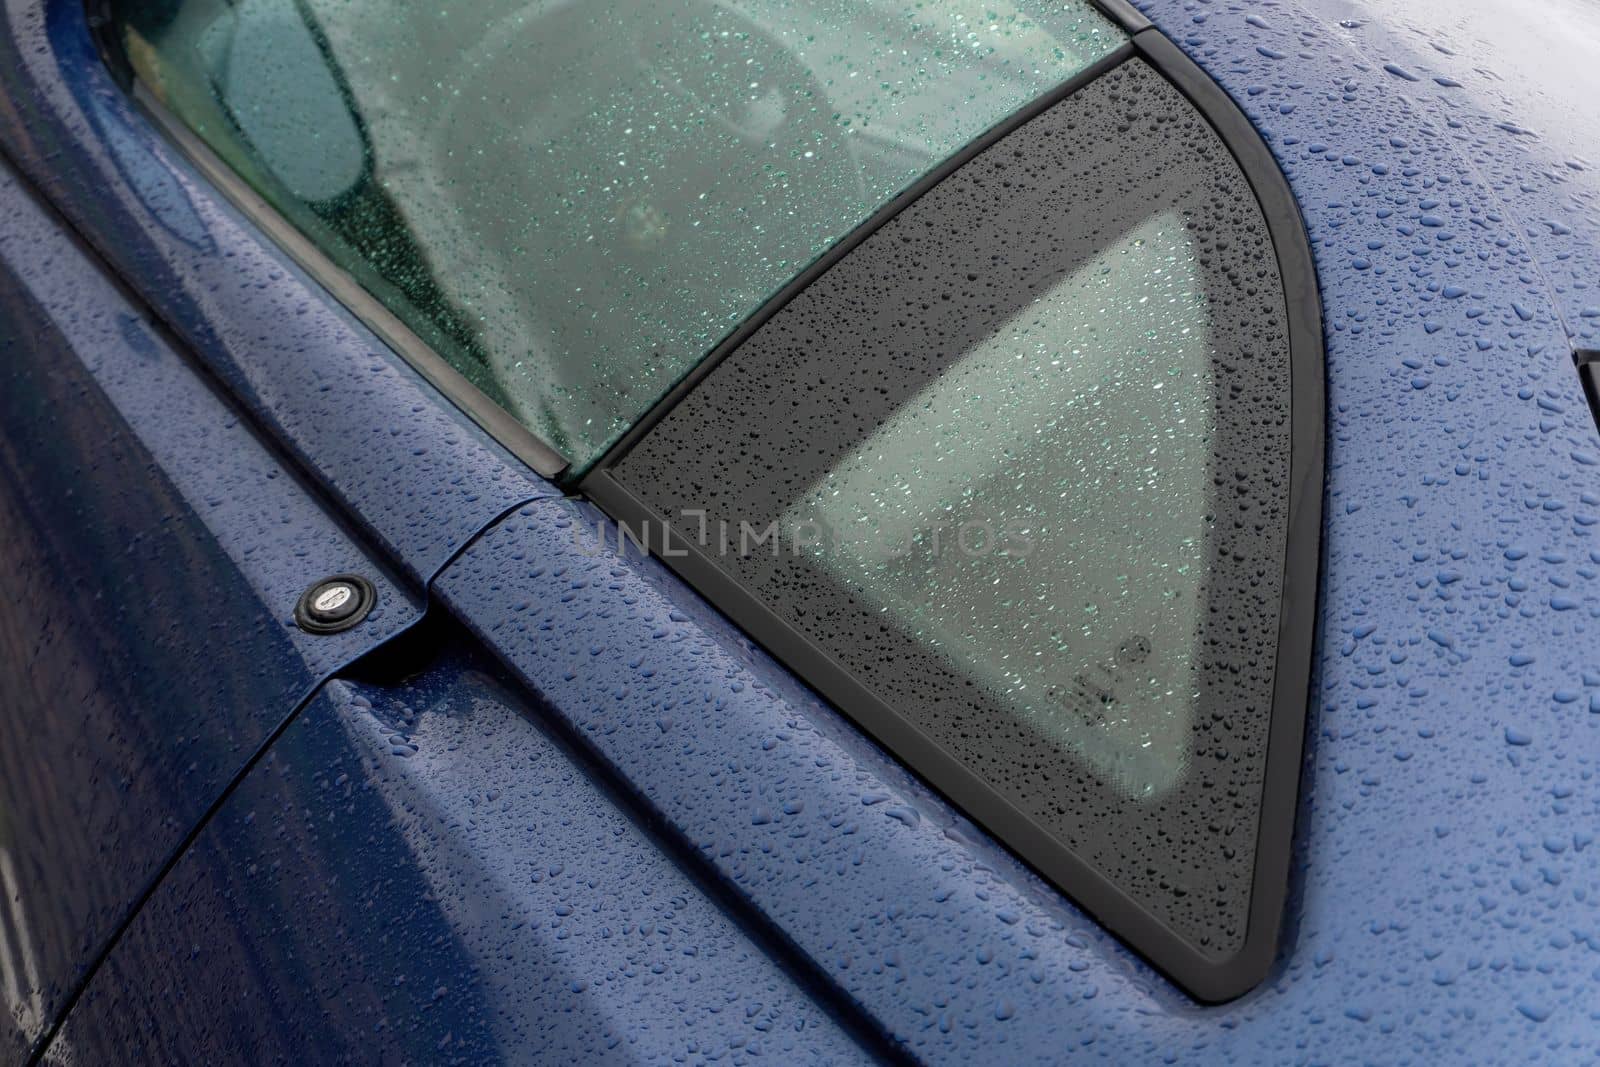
(1204, 977)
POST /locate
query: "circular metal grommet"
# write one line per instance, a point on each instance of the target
(335, 604)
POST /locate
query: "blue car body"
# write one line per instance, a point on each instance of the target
(548, 805)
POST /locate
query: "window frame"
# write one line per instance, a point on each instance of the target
(1206, 978)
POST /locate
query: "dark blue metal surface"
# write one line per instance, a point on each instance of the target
(151, 553)
(890, 894)
(417, 474)
(422, 873)
(1513, 90)
(1443, 907)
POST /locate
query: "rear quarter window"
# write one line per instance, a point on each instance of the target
(1011, 483)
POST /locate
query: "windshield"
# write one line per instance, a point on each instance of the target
(573, 202)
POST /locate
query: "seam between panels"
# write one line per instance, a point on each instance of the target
(81, 984)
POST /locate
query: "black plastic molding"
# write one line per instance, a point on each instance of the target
(1124, 14)
(1588, 361)
(1206, 977)
(1298, 616)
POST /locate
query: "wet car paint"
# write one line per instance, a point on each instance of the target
(1510, 88)
(151, 553)
(423, 872)
(941, 937)
(1443, 898)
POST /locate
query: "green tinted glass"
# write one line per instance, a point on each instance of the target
(1035, 514)
(572, 202)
